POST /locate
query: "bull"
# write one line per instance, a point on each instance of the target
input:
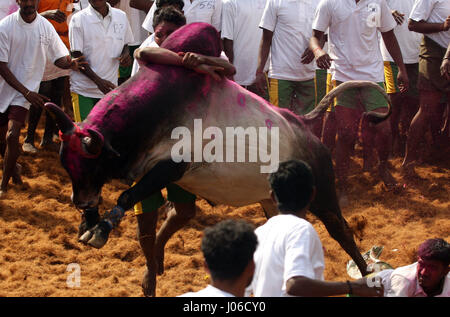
(128, 136)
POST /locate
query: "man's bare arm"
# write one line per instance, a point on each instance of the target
(228, 49)
(394, 49)
(263, 55)
(316, 44)
(214, 66)
(427, 28)
(445, 66)
(33, 97)
(104, 85)
(143, 5)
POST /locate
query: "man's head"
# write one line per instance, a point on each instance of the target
(432, 263)
(177, 4)
(228, 249)
(28, 7)
(98, 4)
(165, 21)
(292, 186)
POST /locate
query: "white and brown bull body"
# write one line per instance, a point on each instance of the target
(129, 135)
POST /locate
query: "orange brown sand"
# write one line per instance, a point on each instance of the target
(38, 230)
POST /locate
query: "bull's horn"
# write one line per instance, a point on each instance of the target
(373, 117)
(64, 122)
(94, 143)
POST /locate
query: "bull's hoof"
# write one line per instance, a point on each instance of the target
(100, 234)
(85, 237)
(90, 218)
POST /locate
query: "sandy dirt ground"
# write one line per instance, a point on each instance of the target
(38, 230)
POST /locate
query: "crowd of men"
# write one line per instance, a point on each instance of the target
(288, 52)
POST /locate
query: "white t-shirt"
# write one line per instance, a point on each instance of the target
(80, 5)
(408, 41)
(352, 38)
(404, 283)
(433, 11)
(208, 11)
(208, 291)
(7, 7)
(288, 246)
(25, 48)
(135, 17)
(101, 46)
(290, 22)
(149, 42)
(240, 20)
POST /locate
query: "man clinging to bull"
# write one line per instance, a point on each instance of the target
(27, 40)
(355, 55)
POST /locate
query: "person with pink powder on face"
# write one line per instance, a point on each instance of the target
(428, 277)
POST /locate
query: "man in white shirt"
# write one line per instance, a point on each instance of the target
(404, 105)
(286, 31)
(432, 18)
(241, 38)
(228, 249)
(428, 277)
(135, 18)
(164, 22)
(289, 258)
(27, 40)
(102, 34)
(354, 54)
(208, 11)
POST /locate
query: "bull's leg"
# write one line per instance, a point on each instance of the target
(162, 174)
(177, 217)
(269, 207)
(89, 219)
(339, 230)
(325, 206)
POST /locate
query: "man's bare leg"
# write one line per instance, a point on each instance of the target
(11, 154)
(397, 102)
(347, 127)
(419, 124)
(177, 217)
(383, 141)
(146, 236)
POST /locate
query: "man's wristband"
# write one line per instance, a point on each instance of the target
(350, 289)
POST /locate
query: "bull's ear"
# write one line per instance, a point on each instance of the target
(93, 143)
(64, 122)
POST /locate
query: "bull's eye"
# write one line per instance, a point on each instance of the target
(86, 140)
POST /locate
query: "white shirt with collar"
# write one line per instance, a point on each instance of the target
(25, 48)
(290, 21)
(288, 246)
(433, 11)
(408, 41)
(135, 17)
(240, 21)
(404, 283)
(101, 41)
(352, 38)
(208, 11)
(208, 291)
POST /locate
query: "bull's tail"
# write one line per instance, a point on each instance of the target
(371, 116)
